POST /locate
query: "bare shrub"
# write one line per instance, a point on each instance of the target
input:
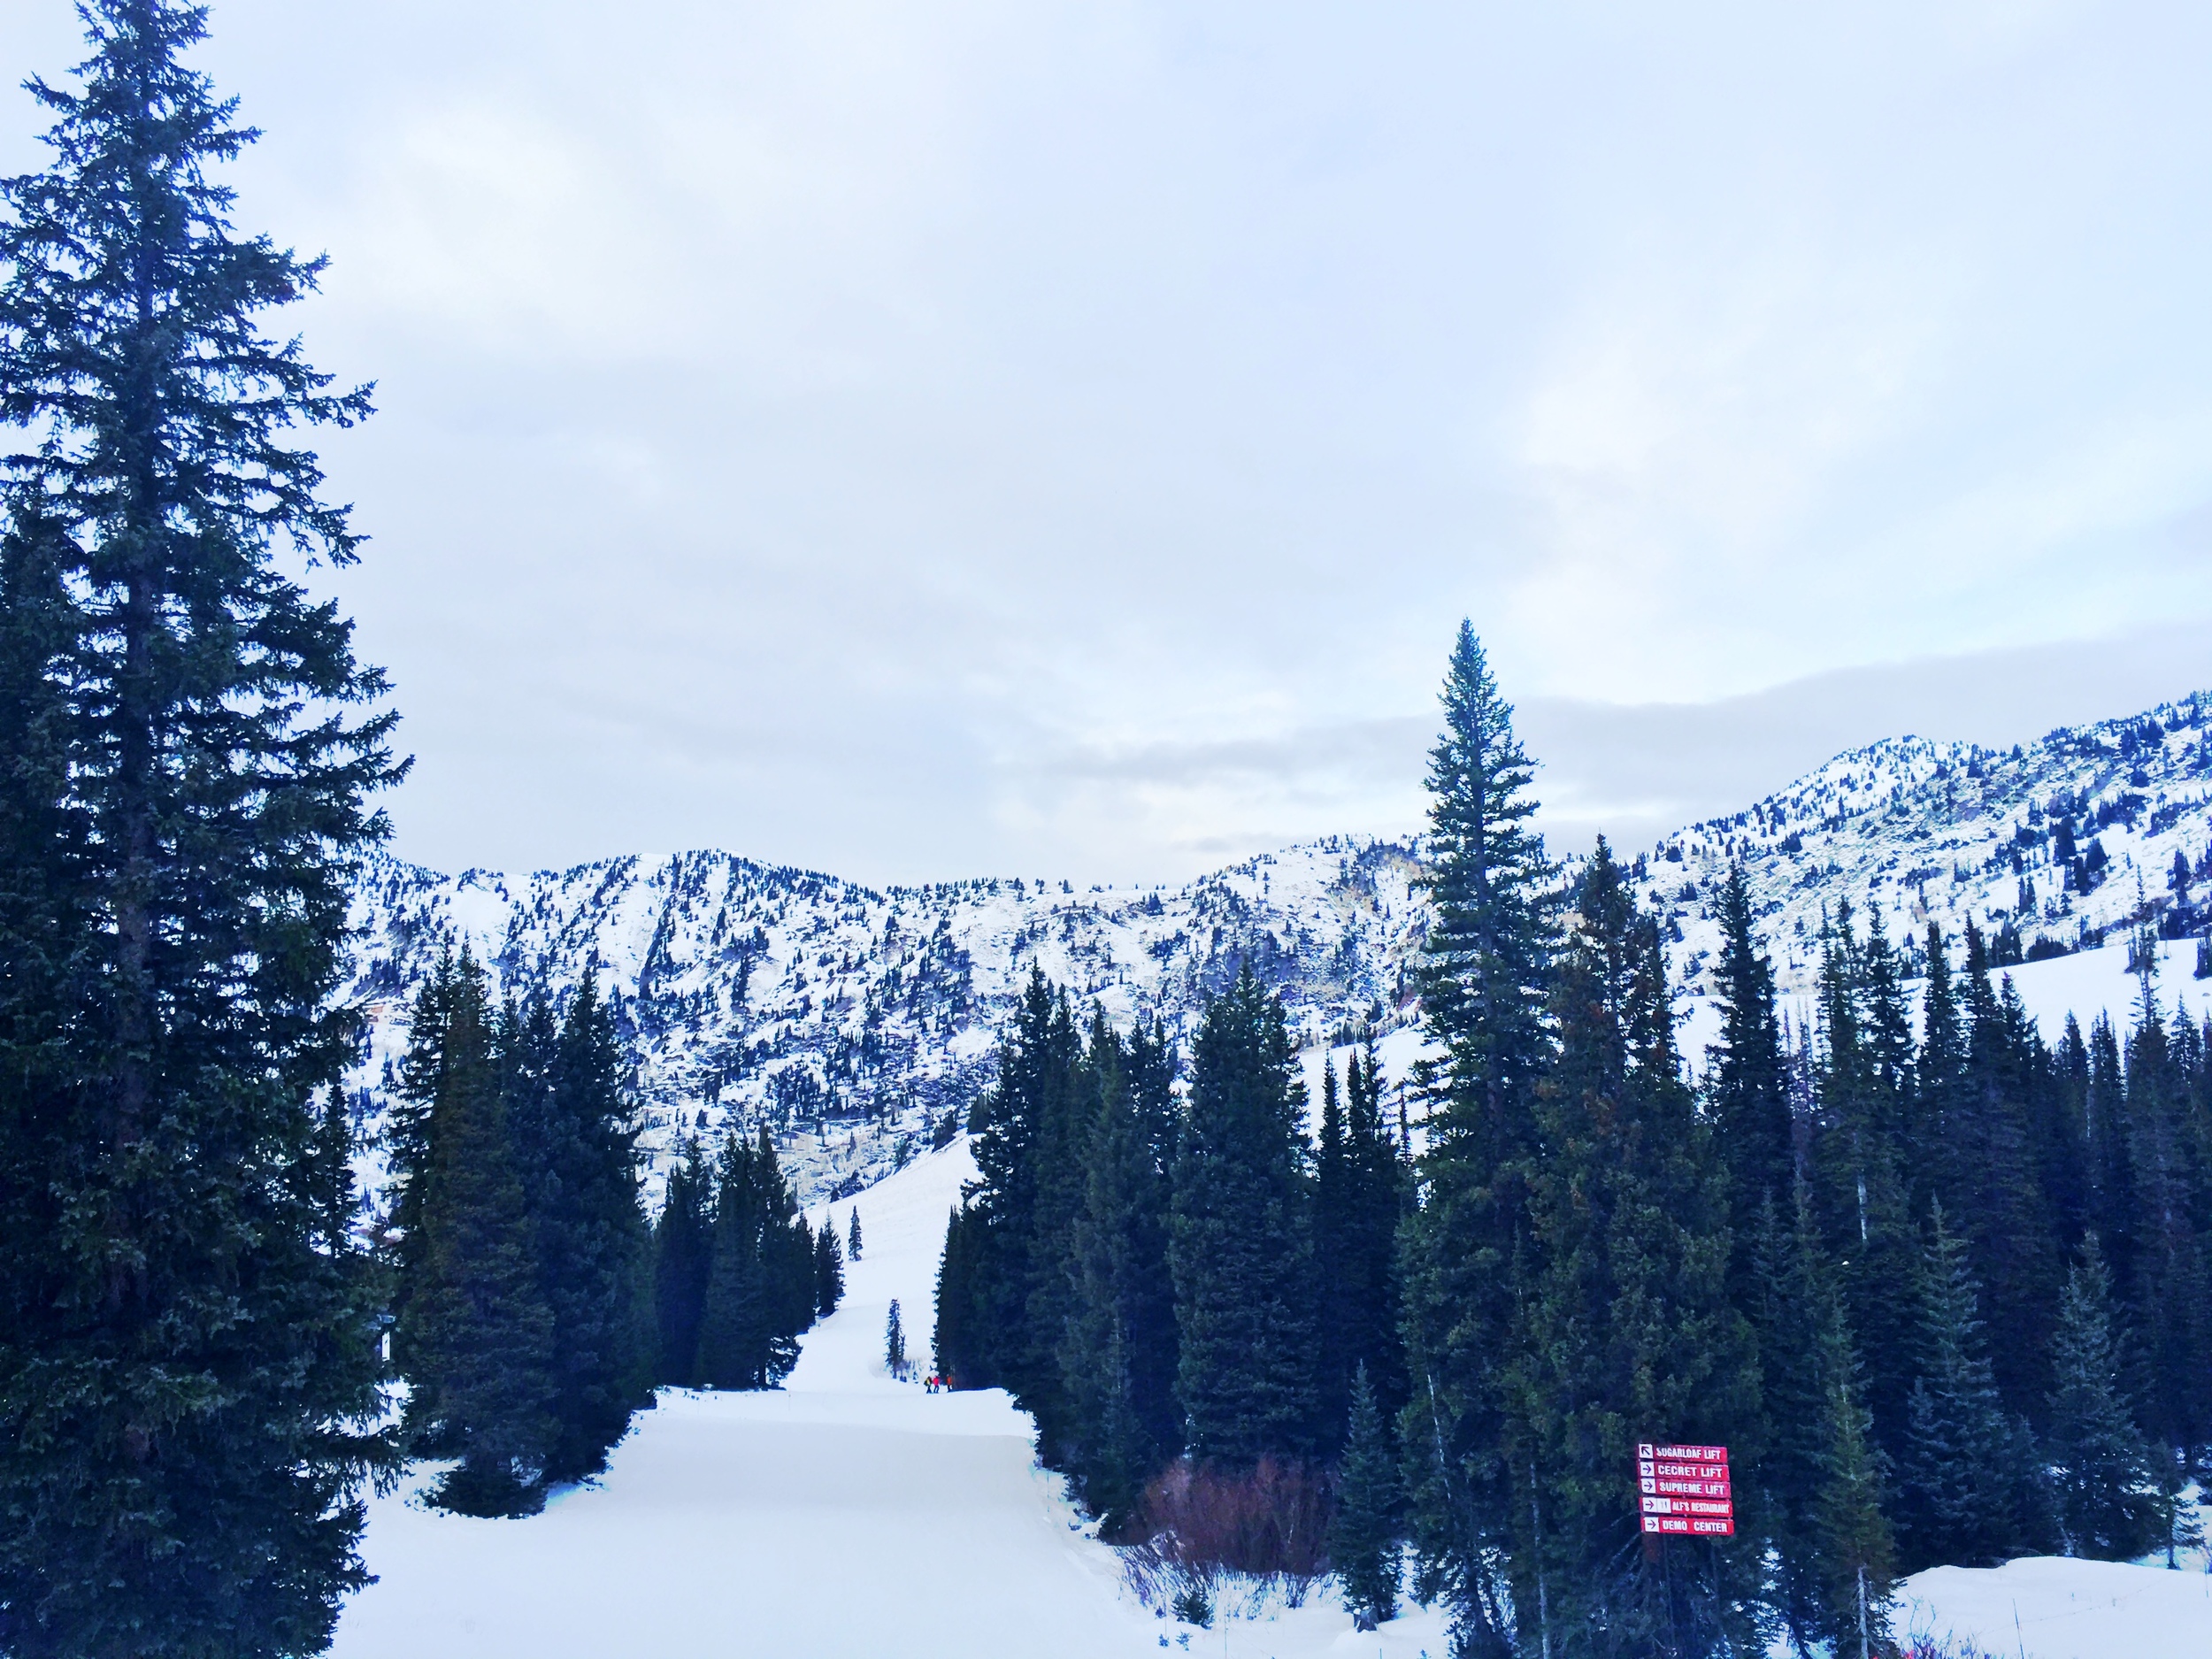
(1200, 1525)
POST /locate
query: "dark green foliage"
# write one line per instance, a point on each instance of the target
(1816, 1478)
(958, 1339)
(2109, 1505)
(2114, 1213)
(475, 1335)
(1969, 1489)
(852, 1236)
(895, 1342)
(1054, 1281)
(525, 1298)
(1118, 1349)
(1483, 977)
(760, 1288)
(576, 1144)
(1241, 1248)
(1746, 1087)
(1364, 1538)
(1864, 1150)
(829, 1273)
(1020, 1215)
(683, 1254)
(188, 1363)
(2171, 1158)
(1625, 1331)
(1990, 1183)
(1363, 1192)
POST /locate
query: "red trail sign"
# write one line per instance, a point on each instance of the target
(1684, 1490)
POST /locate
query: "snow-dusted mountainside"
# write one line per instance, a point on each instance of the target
(1953, 832)
(853, 1021)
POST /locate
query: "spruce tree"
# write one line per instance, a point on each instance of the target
(1336, 1296)
(1625, 1331)
(1991, 1185)
(1747, 1094)
(1863, 1145)
(476, 1336)
(1968, 1488)
(188, 1385)
(1017, 1280)
(683, 1255)
(1241, 1248)
(895, 1342)
(852, 1234)
(958, 1341)
(1362, 1197)
(759, 1294)
(2109, 1505)
(829, 1273)
(1816, 1479)
(2114, 1212)
(1855, 1545)
(1117, 1352)
(1363, 1534)
(1484, 978)
(1940, 1071)
(2170, 1153)
(577, 1142)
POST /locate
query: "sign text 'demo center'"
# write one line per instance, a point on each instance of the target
(1684, 1489)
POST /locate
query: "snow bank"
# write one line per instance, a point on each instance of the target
(2047, 1607)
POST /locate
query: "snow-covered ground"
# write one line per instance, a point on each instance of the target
(2047, 1607)
(843, 1517)
(851, 1516)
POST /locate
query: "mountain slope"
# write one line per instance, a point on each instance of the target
(859, 1022)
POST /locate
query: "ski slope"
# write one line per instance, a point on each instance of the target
(843, 1517)
(847, 1516)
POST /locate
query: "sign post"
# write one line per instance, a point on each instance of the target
(1683, 1491)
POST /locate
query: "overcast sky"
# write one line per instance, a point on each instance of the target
(921, 439)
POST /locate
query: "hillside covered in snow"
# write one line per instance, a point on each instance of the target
(858, 1022)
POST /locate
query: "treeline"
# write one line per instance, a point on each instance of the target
(738, 1275)
(1941, 1292)
(1152, 1276)
(522, 1307)
(533, 1308)
(1940, 1286)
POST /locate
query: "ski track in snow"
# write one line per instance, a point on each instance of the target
(847, 1516)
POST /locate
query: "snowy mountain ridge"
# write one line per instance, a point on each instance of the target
(2046, 848)
(855, 1021)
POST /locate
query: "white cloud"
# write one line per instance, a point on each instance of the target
(955, 434)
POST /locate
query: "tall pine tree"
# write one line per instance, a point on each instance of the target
(1969, 1487)
(1627, 1331)
(475, 1335)
(2109, 1504)
(683, 1255)
(1747, 1096)
(187, 1382)
(577, 1146)
(1241, 1246)
(1483, 979)
(1118, 1351)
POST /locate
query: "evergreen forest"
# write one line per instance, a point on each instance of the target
(1939, 1284)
